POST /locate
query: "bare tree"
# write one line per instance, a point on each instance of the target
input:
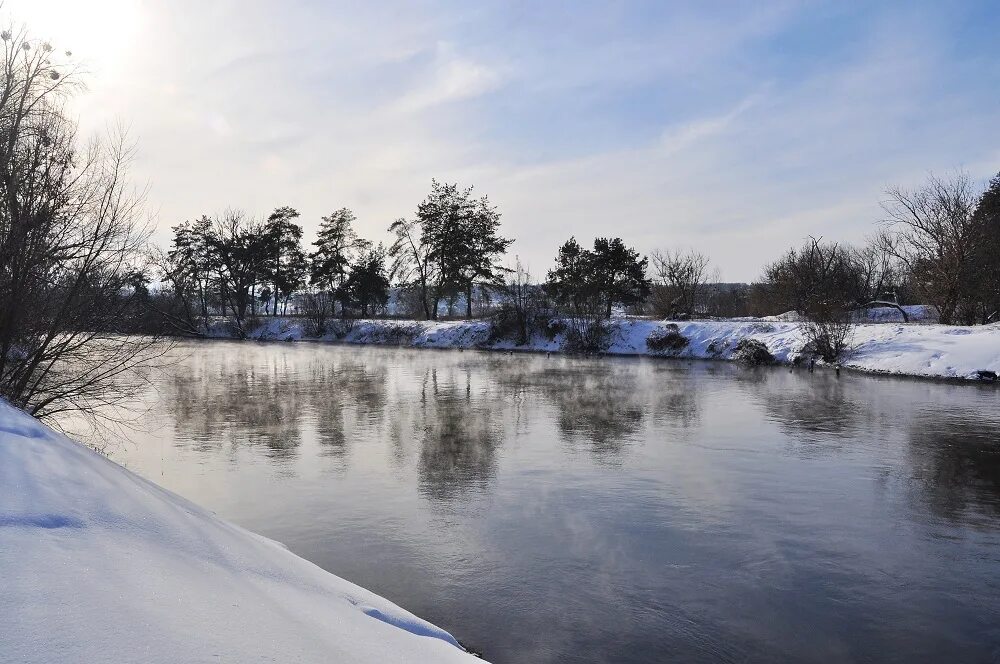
(411, 264)
(819, 279)
(822, 282)
(679, 282)
(931, 231)
(524, 309)
(71, 246)
(880, 276)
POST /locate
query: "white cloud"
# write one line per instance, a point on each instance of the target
(452, 78)
(679, 137)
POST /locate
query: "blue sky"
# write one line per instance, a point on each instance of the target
(736, 129)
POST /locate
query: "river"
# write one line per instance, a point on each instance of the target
(554, 509)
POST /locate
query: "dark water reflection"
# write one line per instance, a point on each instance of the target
(573, 510)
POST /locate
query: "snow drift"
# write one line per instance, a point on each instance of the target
(100, 565)
(927, 350)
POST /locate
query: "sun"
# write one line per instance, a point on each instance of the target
(98, 33)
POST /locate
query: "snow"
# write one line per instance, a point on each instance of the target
(100, 565)
(927, 350)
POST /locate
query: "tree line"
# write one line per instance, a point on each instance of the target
(242, 268)
(234, 266)
(938, 245)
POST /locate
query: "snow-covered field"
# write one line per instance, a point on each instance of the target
(928, 350)
(100, 565)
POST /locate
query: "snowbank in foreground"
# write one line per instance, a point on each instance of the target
(100, 565)
(938, 351)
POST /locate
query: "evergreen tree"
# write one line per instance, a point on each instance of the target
(479, 264)
(620, 274)
(285, 266)
(463, 247)
(986, 220)
(609, 274)
(189, 266)
(336, 243)
(367, 286)
(571, 283)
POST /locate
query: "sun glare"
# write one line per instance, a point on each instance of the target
(97, 33)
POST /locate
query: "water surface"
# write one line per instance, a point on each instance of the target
(549, 509)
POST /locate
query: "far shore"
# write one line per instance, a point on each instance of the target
(926, 351)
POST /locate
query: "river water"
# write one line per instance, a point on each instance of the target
(552, 509)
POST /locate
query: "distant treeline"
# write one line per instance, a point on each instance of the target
(939, 245)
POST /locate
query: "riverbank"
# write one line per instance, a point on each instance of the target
(919, 350)
(99, 564)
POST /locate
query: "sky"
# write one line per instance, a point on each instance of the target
(736, 129)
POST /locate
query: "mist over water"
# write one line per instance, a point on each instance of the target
(552, 509)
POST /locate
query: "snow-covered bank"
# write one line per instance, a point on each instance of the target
(934, 351)
(100, 565)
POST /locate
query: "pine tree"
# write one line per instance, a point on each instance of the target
(620, 273)
(285, 264)
(189, 265)
(571, 283)
(367, 286)
(463, 246)
(336, 244)
(609, 274)
(986, 220)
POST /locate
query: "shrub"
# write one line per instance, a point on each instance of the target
(586, 334)
(393, 334)
(506, 326)
(752, 352)
(341, 328)
(512, 324)
(716, 347)
(828, 339)
(317, 310)
(667, 339)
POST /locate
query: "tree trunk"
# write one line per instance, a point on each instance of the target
(204, 301)
(468, 300)
(423, 299)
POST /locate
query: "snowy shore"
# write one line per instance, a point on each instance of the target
(924, 350)
(100, 565)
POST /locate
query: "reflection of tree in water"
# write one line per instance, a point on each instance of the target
(214, 401)
(818, 412)
(601, 410)
(956, 461)
(346, 385)
(257, 399)
(676, 397)
(461, 436)
(599, 404)
(602, 404)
